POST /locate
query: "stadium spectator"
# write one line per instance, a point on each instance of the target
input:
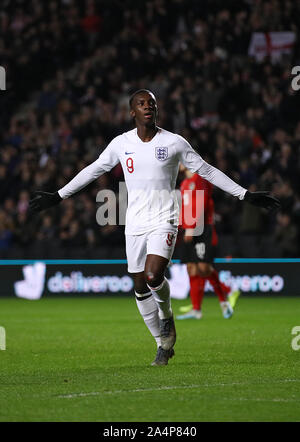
(286, 236)
(67, 93)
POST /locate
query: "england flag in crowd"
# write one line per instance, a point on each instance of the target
(272, 44)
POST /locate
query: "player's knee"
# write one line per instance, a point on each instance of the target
(204, 269)
(153, 279)
(192, 269)
(140, 285)
(141, 288)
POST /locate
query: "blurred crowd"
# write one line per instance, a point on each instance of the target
(71, 66)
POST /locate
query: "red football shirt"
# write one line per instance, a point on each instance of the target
(189, 200)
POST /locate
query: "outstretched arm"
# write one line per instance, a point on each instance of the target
(193, 161)
(219, 179)
(106, 161)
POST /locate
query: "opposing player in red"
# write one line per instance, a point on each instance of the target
(198, 251)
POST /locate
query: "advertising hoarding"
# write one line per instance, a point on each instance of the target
(33, 279)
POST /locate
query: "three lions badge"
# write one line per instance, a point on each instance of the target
(161, 153)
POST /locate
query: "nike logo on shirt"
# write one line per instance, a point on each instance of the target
(128, 153)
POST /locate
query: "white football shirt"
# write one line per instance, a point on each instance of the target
(150, 171)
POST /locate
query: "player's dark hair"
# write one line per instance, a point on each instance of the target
(140, 91)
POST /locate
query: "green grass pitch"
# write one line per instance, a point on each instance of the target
(89, 360)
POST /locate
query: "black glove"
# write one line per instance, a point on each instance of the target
(44, 200)
(262, 199)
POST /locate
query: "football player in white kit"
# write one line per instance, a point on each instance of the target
(150, 158)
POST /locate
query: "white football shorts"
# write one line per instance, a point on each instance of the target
(150, 243)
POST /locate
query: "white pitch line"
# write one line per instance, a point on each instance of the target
(138, 390)
(174, 387)
(261, 399)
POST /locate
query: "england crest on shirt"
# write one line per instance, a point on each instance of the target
(161, 153)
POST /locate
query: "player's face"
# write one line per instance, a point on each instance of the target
(144, 109)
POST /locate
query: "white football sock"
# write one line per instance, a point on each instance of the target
(163, 299)
(149, 311)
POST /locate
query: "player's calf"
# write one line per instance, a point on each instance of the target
(163, 299)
